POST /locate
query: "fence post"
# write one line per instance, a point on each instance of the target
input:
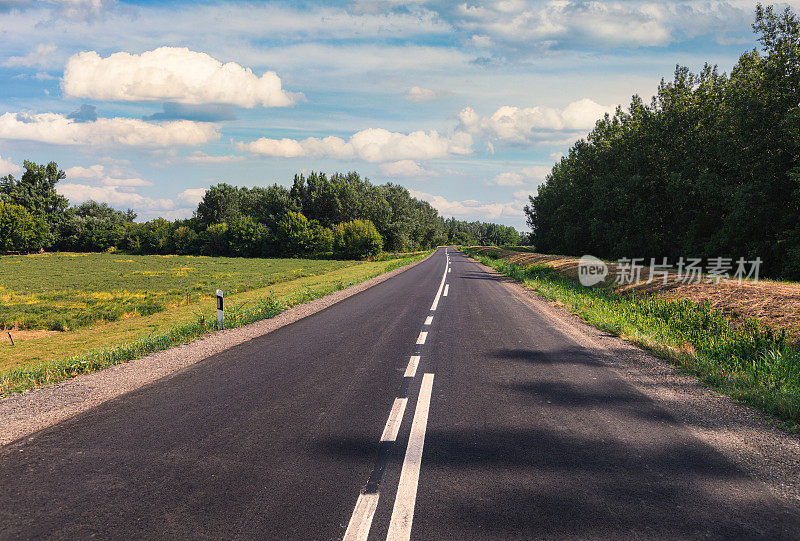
(220, 311)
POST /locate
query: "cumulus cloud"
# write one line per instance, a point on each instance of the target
(569, 23)
(405, 168)
(103, 176)
(115, 196)
(471, 208)
(192, 196)
(58, 129)
(527, 175)
(41, 57)
(7, 167)
(173, 74)
(524, 125)
(417, 93)
(371, 145)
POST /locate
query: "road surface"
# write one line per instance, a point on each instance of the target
(435, 405)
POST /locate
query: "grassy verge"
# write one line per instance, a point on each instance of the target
(127, 340)
(750, 363)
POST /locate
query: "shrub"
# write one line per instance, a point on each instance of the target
(184, 240)
(321, 238)
(248, 237)
(294, 234)
(357, 238)
(215, 239)
(20, 230)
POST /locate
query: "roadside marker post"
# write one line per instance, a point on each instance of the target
(220, 311)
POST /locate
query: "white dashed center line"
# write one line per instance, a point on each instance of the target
(395, 418)
(411, 371)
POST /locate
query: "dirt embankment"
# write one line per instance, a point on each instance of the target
(775, 304)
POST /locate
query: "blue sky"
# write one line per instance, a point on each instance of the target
(468, 104)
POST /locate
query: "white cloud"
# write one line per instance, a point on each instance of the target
(567, 22)
(524, 125)
(417, 93)
(470, 208)
(102, 175)
(201, 157)
(192, 196)
(371, 145)
(7, 167)
(115, 196)
(57, 129)
(41, 56)
(534, 174)
(405, 168)
(284, 148)
(174, 74)
(93, 172)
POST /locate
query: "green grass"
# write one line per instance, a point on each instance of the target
(53, 358)
(63, 291)
(750, 363)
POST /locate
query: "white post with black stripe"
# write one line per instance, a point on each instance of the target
(220, 311)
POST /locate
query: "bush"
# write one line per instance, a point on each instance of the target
(184, 240)
(215, 239)
(356, 239)
(321, 239)
(20, 230)
(248, 237)
(294, 234)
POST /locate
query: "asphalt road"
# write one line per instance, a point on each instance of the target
(381, 415)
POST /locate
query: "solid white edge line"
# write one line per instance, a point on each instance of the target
(446, 290)
(403, 511)
(422, 337)
(428, 320)
(361, 521)
(411, 370)
(394, 420)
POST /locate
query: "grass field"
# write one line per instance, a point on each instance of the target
(748, 360)
(65, 291)
(266, 287)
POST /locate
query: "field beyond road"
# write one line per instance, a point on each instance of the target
(65, 291)
(134, 305)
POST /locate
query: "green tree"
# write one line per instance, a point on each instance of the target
(36, 192)
(20, 230)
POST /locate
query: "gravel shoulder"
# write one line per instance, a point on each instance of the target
(744, 435)
(28, 412)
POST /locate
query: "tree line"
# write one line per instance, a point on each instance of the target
(709, 168)
(341, 215)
